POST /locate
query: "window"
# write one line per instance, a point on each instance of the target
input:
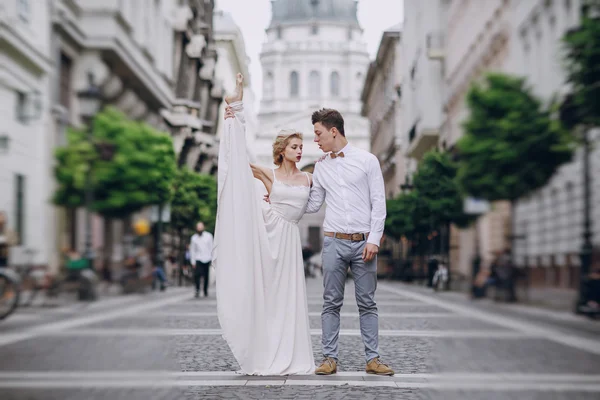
(20, 208)
(65, 81)
(314, 88)
(269, 85)
(335, 84)
(314, 29)
(21, 107)
(294, 84)
(24, 10)
(359, 80)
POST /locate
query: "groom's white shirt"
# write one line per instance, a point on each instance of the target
(352, 188)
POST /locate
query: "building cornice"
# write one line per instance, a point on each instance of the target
(11, 40)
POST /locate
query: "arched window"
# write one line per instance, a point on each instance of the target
(334, 84)
(359, 80)
(294, 84)
(269, 85)
(314, 88)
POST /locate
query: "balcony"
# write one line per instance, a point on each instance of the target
(420, 141)
(436, 43)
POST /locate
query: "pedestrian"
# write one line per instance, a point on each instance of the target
(505, 272)
(307, 253)
(201, 246)
(171, 264)
(432, 267)
(592, 289)
(7, 239)
(159, 275)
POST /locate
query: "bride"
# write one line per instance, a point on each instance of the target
(260, 286)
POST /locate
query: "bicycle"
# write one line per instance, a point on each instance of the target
(32, 277)
(10, 290)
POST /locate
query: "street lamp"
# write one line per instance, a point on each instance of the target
(570, 115)
(90, 101)
(406, 186)
(585, 255)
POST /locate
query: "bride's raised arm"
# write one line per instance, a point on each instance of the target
(263, 174)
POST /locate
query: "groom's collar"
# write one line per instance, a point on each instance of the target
(344, 150)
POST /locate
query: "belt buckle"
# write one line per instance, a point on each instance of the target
(357, 237)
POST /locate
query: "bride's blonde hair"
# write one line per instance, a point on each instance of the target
(281, 141)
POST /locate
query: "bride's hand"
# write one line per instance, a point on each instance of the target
(229, 112)
(267, 198)
(238, 93)
(323, 157)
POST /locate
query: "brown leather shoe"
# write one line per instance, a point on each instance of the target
(327, 367)
(378, 368)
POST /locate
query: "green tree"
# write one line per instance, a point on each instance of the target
(72, 164)
(406, 216)
(195, 198)
(138, 173)
(435, 182)
(512, 146)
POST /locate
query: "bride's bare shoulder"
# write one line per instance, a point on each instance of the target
(310, 178)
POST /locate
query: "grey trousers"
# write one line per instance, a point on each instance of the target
(338, 254)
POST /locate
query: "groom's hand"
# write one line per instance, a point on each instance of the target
(370, 251)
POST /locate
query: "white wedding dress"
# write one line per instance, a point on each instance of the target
(260, 285)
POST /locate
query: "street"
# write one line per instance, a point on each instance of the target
(168, 346)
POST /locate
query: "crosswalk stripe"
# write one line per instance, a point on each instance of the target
(146, 332)
(498, 382)
(198, 314)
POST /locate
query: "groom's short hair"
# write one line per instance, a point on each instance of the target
(329, 118)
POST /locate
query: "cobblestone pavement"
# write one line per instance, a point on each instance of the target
(168, 346)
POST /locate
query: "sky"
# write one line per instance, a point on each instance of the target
(253, 17)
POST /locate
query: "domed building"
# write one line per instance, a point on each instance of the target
(314, 56)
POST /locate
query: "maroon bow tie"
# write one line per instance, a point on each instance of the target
(340, 154)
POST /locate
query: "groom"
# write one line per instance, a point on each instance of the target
(350, 182)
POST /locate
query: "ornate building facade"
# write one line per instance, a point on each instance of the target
(549, 222)
(381, 105)
(194, 116)
(459, 41)
(314, 56)
(152, 60)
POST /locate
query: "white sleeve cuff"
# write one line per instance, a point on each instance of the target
(375, 238)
